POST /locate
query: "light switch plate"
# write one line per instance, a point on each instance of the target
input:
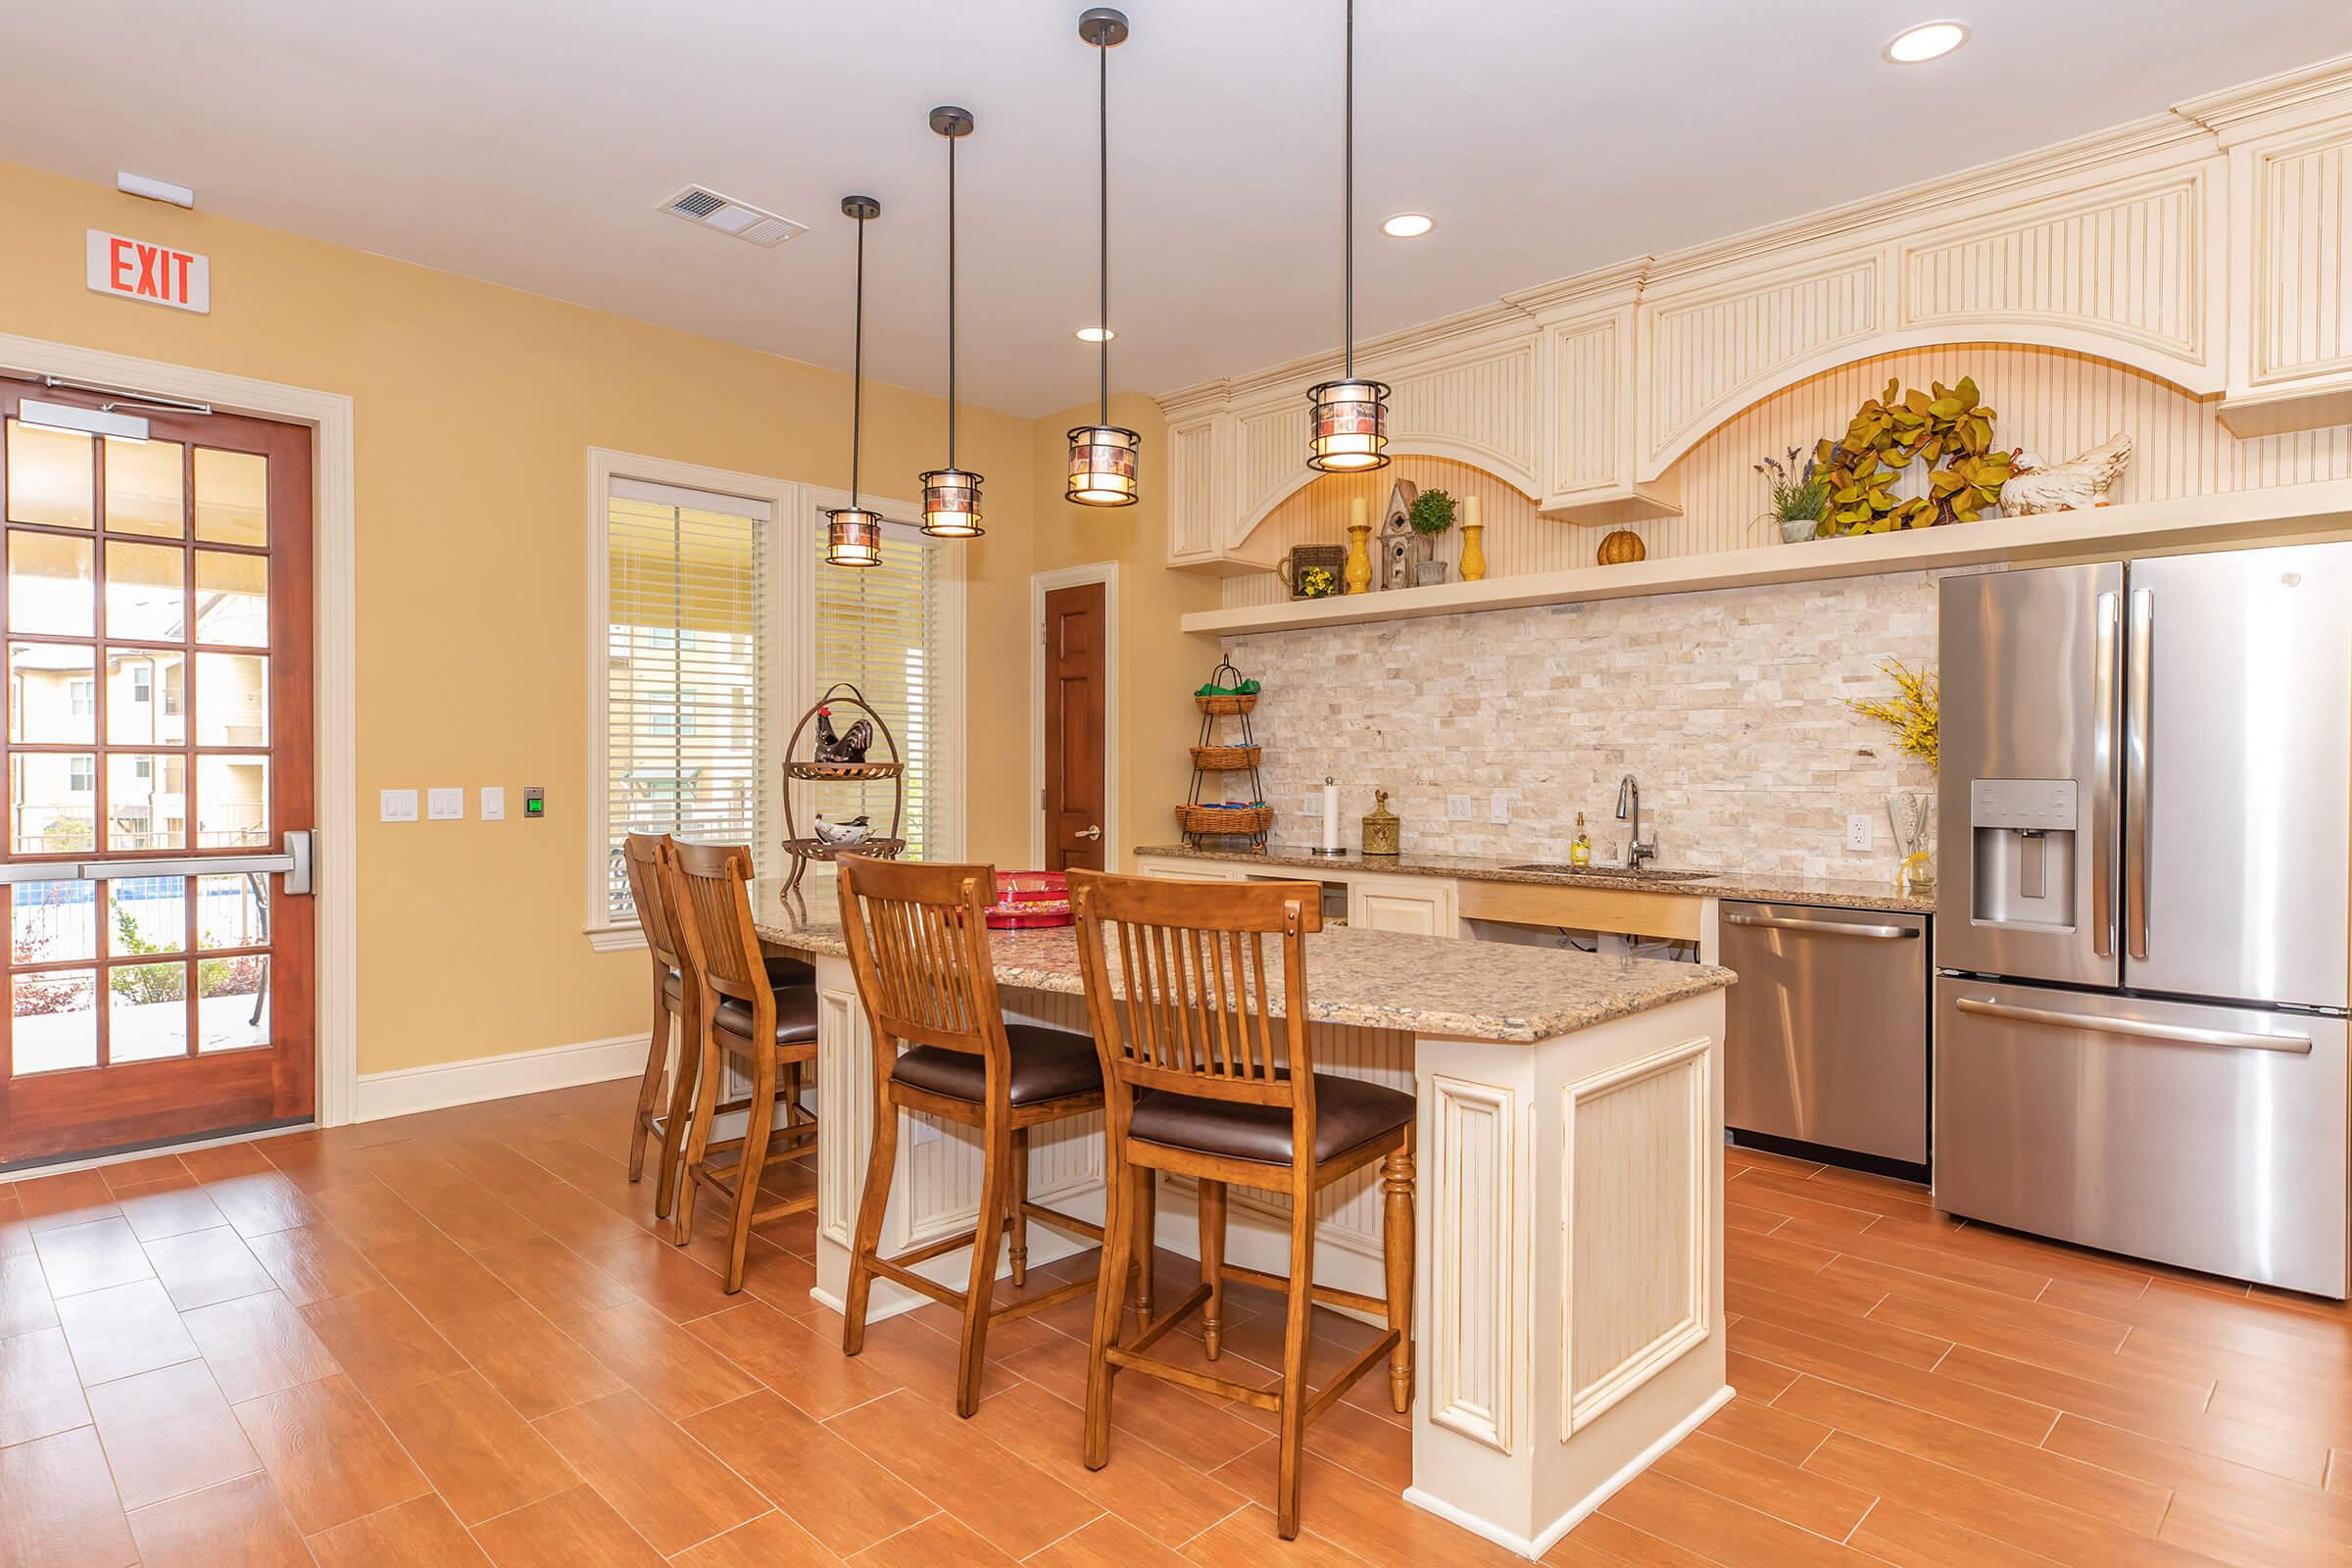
(1499, 808)
(396, 805)
(494, 803)
(445, 805)
(1457, 809)
(1857, 831)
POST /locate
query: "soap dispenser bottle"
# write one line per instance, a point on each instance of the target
(1580, 853)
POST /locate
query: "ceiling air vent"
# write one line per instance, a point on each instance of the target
(730, 217)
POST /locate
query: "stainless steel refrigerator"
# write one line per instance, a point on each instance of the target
(2142, 938)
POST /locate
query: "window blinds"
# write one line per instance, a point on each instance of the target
(684, 629)
(878, 628)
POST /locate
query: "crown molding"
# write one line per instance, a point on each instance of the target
(2234, 107)
(1409, 344)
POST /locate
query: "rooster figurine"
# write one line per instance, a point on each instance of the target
(849, 748)
(2035, 487)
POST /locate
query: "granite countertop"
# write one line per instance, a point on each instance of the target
(1764, 885)
(1371, 979)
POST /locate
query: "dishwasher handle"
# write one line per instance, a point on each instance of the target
(2136, 1028)
(1835, 928)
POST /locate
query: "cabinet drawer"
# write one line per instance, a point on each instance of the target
(1640, 912)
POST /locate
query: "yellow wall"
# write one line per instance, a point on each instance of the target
(1158, 665)
(475, 406)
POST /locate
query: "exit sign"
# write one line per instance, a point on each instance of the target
(151, 273)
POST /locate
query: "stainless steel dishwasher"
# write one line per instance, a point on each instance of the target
(1826, 1034)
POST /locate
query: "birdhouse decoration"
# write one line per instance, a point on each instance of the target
(1402, 547)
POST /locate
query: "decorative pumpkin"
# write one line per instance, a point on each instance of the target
(1621, 547)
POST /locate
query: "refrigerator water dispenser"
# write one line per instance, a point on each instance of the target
(2024, 855)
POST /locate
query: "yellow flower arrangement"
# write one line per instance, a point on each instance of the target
(1911, 713)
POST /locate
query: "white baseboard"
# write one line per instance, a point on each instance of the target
(405, 1091)
(1550, 1536)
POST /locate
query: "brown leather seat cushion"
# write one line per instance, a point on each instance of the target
(1348, 1113)
(1047, 1064)
(795, 1016)
(781, 972)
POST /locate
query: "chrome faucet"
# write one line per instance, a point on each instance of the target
(1628, 804)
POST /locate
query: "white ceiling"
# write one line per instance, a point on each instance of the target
(530, 142)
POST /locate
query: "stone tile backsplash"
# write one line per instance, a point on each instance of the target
(1726, 706)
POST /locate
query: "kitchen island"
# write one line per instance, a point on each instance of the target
(1568, 1290)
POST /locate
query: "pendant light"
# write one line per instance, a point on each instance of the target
(952, 495)
(853, 533)
(1351, 429)
(1102, 454)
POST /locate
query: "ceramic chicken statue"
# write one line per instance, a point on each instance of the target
(841, 835)
(849, 748)
(2066, 486)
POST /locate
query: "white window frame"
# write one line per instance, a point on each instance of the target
(783, 662)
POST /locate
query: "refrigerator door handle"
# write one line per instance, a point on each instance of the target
(2141, 704)
(2102, 776)
(2139, 1029)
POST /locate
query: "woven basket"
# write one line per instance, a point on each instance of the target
(1224, 819)
(1241, 704)
(1224, 759)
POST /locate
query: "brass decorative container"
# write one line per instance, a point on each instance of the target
(1382, 829)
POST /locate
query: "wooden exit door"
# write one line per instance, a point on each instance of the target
(157, 608)
(1074, 698)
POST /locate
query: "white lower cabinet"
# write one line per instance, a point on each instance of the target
(1424, 905)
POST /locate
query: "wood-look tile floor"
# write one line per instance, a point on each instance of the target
(456, 1340)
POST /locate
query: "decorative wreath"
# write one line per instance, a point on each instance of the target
(1946, 426)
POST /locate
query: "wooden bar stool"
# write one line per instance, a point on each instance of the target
(739, 1013)
(1200, 1079)
(674, 1001)
(918, 944)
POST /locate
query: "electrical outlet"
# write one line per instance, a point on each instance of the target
(1857, 831)
(1312, 806)
(1499, 808)
(1457, 809)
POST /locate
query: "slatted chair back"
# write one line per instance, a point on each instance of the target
(649, 892)
(1193, 1013)
(917, 934)
(710, 906)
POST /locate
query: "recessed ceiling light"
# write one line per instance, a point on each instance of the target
(1929, 40)
(1096, 334)
(1408, 226)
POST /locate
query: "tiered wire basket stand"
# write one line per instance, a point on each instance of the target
(1222, 753)
(803, 849)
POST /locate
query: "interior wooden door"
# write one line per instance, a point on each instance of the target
(1075, 786)
(156, 607)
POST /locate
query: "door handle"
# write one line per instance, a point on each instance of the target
(293, 862)
(2136, 1028)
(1094, 832)
(2135, 774)
(1835, 928)
(2102, 778)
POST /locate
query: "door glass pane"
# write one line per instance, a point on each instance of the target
(232, 700)
(49, 587)
(53, 923)
(52, 693)
(232, 910)
(49, 476)
(143, 488)
(146, 800)
(56, 1022)
(146, 696)
(232, 599)
(232, 497)
(232, 800)
(52, 802)
(146, 915)
(146, 595)
(232, 1003)
(147, 1015)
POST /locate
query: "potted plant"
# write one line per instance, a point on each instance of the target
(1799, 495)
(1431, 516)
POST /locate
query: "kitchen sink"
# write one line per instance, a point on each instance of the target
(1619, 872)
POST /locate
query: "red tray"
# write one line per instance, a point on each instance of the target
(1028, 900)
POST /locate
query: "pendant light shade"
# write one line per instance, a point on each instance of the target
(1102, 455)
(1349, 433)
(952, 495)
(853, 533)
